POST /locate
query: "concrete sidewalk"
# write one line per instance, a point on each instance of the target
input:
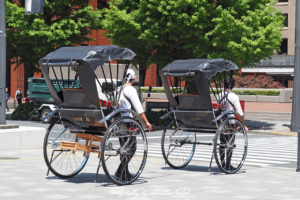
(26, 179)
(278, 127)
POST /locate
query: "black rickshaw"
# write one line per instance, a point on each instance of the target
(83, 123)
(195, 113)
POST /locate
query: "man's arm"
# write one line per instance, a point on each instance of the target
(149, 126)
(237, 105)
(133, 97)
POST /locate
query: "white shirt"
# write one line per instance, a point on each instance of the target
(132, 95)
(234, 99)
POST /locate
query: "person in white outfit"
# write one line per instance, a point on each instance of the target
(232, 103)
(129, 99)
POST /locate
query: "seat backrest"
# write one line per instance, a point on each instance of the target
(190, 102)
(74, 98)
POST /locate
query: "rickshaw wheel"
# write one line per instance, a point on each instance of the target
(230, 145)
(124, 151)
(64, 163)
(176, 153)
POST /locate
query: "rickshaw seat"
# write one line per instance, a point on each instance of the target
(190, 102)
(74, 98)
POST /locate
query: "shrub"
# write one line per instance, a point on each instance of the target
(256, 92)
(154, 117)
(256, 81)
(23, 111)
(160, 90)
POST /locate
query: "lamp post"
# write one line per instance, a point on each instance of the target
(295, 123)
(2, 61)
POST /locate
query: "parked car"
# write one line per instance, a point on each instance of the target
(38, 92)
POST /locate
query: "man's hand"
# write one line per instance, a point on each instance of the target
(149, 126)
(246, 129)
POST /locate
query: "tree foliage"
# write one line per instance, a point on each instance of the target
(160, 31)
(63, 23)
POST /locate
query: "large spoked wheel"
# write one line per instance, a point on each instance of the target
(124, 151)
(62, 163)
(178, 146)
(230, 145)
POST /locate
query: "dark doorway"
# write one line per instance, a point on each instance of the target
(8, 74)
(158, 81)
(286, 21)
(284, 47)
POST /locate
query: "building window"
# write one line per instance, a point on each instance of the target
(283, 1)
(285, 22)
(284, 47)
(101, 4)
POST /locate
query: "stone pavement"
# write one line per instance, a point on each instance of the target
(26, 179)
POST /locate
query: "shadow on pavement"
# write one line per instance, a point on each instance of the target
(90, 177)
(196, 168)
(287, 125)
(254, 125)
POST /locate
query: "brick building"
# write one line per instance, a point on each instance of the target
(18, 76)
(281, 66)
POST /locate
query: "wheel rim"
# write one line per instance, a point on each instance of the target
(231, 146)
(177, 148)
(116, 154)
(64, 163)
(45, 114)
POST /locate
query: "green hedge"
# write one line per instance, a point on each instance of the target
(257, 92)
(154, 117)
(238, 92)
(23, 111)
(158, 90)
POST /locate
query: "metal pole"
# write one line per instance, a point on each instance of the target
(2, 61)
(295, 123)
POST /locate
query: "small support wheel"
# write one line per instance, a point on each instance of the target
(44, 113)
(230, 145)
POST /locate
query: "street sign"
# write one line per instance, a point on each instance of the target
(34, 6)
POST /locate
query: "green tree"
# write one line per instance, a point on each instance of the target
(160, 31)
(63, 23)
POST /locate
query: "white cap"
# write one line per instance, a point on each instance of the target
(131, 75)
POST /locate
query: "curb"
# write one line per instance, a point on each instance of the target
(274, 133)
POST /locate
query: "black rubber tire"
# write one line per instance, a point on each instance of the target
(57, 121)
(237, 166)
(164, 153)
(44, 113)
(103, 161)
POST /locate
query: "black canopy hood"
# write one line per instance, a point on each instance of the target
(93, 55)
(209, 67)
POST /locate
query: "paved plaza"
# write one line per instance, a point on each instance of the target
(264, 176)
